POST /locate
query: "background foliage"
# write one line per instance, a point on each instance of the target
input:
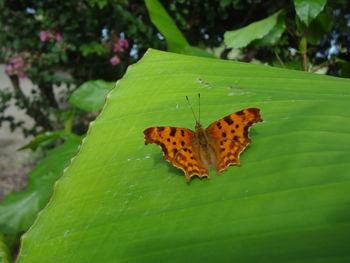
(78, 37)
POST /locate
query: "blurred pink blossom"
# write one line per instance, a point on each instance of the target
(115, 60)
(120, 45)
(16, 67)
(58, 37)
(18, 63)
(42, 36)
(46, 35)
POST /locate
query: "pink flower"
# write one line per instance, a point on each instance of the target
(117, 48)
(120, 45)
(58, 37)
(123, 42)
(17, 63)
(50, 34)
(115, 60)
(16, 67)
(42, 36)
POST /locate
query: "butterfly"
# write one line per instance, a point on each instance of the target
(218, 146)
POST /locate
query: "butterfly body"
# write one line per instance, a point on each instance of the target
(217, 146)
(204, 147)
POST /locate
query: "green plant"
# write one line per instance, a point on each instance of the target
(119, 201)
(299, 40)
(91, 95)
(176, 42)
(86, 40)
(4, 251)
(300, 33)
(18, 210)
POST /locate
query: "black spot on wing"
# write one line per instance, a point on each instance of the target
(172, 131)
(228, 120)
(182, 133)
(240, 112)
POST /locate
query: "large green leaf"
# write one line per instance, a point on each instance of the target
(18, 210)
(288, 202)
(275, 33)
(269, 28)
(307, 10)
(175, 39)
(91, 95)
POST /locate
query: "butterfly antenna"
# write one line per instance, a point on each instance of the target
(199, 107)
(194, 115)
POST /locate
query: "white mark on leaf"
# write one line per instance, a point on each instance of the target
(238, 93)
(139, 159)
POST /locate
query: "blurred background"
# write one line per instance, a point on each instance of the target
(59, 59)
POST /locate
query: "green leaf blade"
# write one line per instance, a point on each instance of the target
(243, 36)
(307, 10)
(42, 138)
(4, 250)
(288, 202)
(167, 27)
(18, 210)
(90, 96)
(275, 33)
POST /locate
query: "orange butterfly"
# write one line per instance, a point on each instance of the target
(218, 146)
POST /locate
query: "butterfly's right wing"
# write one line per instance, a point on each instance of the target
(231, 136)
(176, 144)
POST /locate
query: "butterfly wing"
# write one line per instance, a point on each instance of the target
(230, 136)
(176, 144)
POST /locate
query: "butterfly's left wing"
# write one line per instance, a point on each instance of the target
(176, 144)
(230, 136)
